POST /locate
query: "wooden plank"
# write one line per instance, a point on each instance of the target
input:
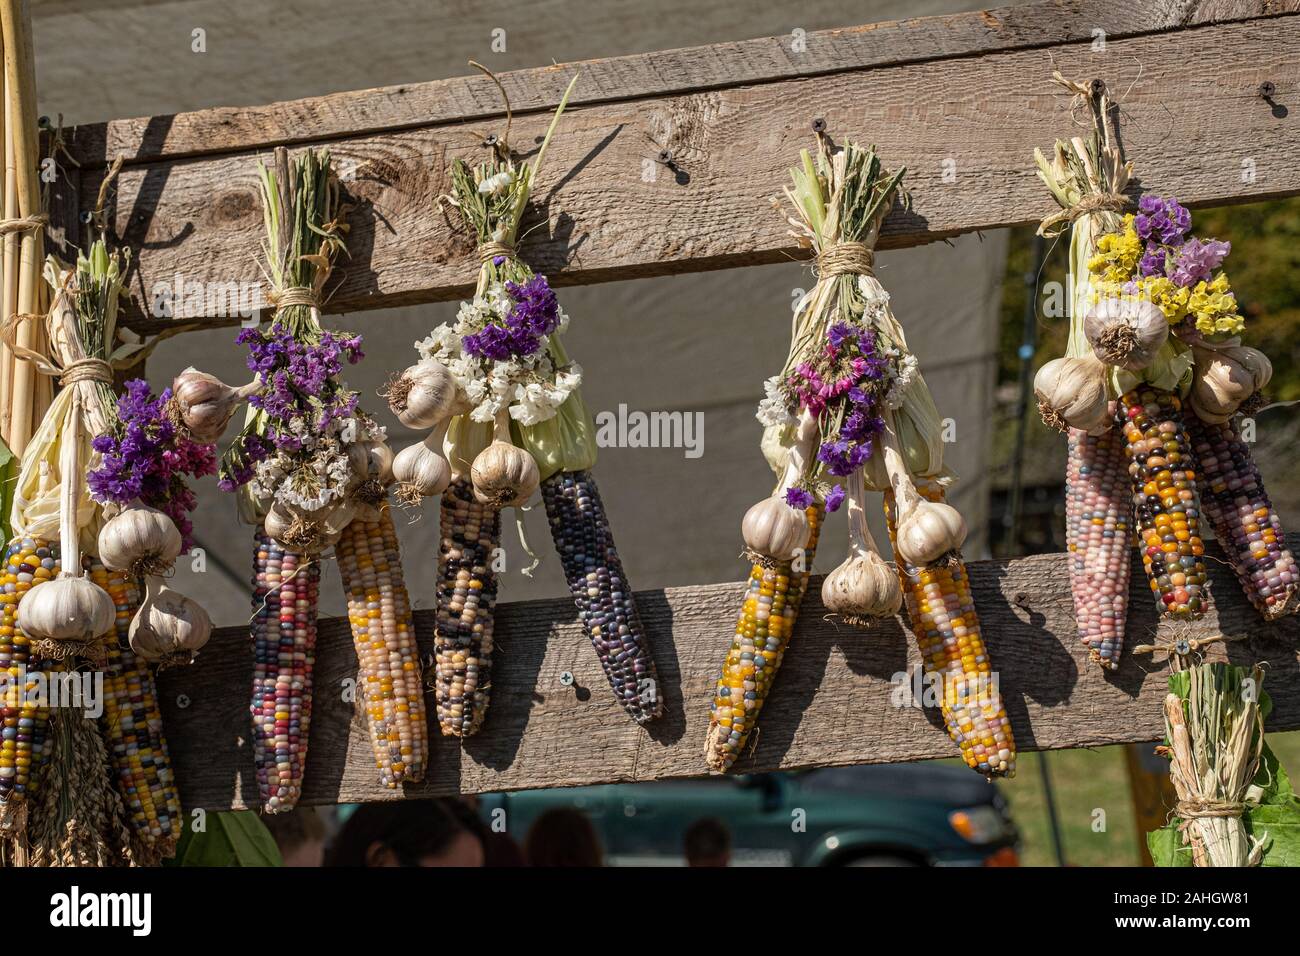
(661, 73)
(833, 702)
(613, 213)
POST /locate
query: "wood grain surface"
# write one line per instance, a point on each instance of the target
(834, 700)
(965, 127)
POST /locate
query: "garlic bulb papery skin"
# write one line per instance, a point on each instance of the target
(141, 540)
(927, 530)
(69, 608)
(773, 531)
(1224, 378)
(420, 470)
(169, 627)
(933, 531)
(206, 404)
(308, 531)
(425, 394)
(865, 586)
(1126, 332)
(504, 475)
(1072, 394)
(371, 460)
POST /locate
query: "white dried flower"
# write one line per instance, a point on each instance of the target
(774, 408)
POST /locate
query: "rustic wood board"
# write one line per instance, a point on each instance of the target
(831, 705)
(661, 73)
(1193, 122)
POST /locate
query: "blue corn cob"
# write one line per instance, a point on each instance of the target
(606, 608)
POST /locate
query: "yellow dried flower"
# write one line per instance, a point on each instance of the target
(1117, 254)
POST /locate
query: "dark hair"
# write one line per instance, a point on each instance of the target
(299, 826)
(707, 838)
(410, 829)
(563, 837)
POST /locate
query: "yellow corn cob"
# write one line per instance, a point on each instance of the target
(132, 727)
(370, 565)
(947, 631)
(763, 632)
(27, 563)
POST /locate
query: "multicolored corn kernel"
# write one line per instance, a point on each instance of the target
(467, 591)
(947, 631)
(28, 562)
(286, 588)
(132, 727)
(1098, 507)
(388, 659)
(580, 529)
(763, 632)
(1243, 518)
(1166, 501)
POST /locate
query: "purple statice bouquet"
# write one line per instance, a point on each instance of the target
(146, 457)
(293, 448)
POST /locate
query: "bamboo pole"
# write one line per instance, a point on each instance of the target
(6, 356)
(20, 76)
(9, 276)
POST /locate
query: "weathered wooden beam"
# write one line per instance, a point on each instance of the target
(833, 702)
(661, 73)
(964, 125)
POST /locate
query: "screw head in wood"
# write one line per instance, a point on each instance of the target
(182, 701)
(1097, 87)
(490, 139)
(566, 678)
(665, 157)
(819, 125)
(1267, 89)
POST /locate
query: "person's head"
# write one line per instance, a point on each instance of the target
(708, 843)
(563, 837)
(408, 833)
(299, 834)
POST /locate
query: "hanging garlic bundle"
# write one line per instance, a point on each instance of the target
(851, 407)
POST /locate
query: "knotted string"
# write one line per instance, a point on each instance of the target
(491, 249)
(25, 224)
(294, 295)
(1188, 810)
(845, 258)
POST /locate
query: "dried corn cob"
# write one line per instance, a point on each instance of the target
(1166, 504)
(370, 565)
(28, 562)
(132, 727)
(286, 586)
(467, 589)
(763, 632)
(1098, 506)
(947, 631)
(1243, 519)
(606, 608)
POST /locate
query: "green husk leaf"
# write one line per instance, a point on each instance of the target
(232, 838)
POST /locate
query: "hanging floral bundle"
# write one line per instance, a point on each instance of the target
(849, 413)
(1153, 374)
(60, 609)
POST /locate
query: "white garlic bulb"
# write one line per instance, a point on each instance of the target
(206, 404)
(865, 585)
(1126, 332)
(774, 531)
(504, 475)
(928, 532)
(424, 395)
(1224, 378)
(141, 540)
(169, 627)
(371, 460)
(1072, 394)
(69, 608)
(421, 471)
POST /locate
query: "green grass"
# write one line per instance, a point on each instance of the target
(1085, 782)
